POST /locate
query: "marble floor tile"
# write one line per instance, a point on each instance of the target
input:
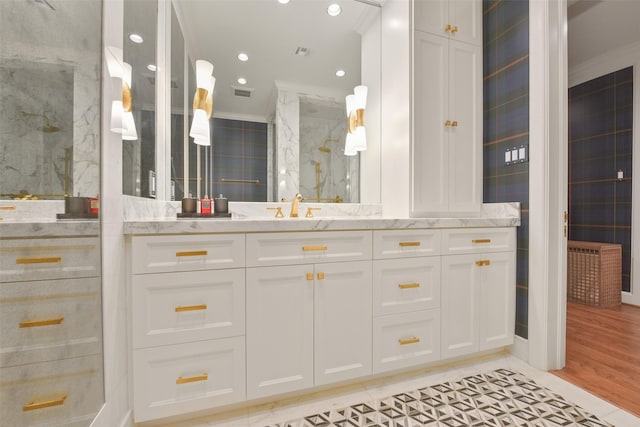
(294, 408)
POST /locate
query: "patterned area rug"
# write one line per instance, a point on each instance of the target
(498, 398)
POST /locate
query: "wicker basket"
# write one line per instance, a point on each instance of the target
(594, 273)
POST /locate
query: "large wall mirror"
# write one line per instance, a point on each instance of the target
(51, 360)
(279, 119)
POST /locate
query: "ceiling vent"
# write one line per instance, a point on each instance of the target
(302, 51)
(242, 92)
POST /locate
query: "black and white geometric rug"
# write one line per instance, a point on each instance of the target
(498, 398)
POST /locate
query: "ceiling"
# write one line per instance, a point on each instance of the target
(270, 33)
(598, 26)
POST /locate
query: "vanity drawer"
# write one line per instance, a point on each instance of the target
(479, 240)
(63, 393)
(49, 320)
(403, 285)
(266, 249)
(405, 340)
(54, 258)
(173, 308)
(184, 378)
(159, 254)
(405, 243)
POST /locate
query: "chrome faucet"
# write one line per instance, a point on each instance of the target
(294, 206)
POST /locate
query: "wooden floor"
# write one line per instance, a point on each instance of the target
(603, 353)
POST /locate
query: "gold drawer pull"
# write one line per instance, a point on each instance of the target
(481, 241)
(404, 244)
(46, 404)
(38, 260)
(413, 340)
(314, 248)
(7, 208)
(483, 262)
(191, 308)
(409, 285)
(44, 322)
(192, 253)
(187, 380)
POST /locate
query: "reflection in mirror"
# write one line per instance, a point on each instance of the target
(178, 135)
(279, 120)
(289, 84)
(49, 106)
(138, 150)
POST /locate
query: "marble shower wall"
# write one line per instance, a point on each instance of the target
(323, 131)
(304, 120)
(50, 96)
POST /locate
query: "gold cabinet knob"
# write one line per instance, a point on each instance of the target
(454, 123)
(454, 29)
(447, 28)
(447, 123)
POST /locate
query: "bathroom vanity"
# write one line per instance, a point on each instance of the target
(51, 343)
(231, 311)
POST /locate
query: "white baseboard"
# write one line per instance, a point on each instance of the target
(520, 348)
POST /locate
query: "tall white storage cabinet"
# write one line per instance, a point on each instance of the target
(447, 108)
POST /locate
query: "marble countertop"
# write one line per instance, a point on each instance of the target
(248, 218)
(10, 229)
(244, 225)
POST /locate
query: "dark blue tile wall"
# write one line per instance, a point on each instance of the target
(600, 144)
(506, 124)
(240, 153)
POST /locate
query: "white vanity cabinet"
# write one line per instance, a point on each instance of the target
(188, 323)
(478, 290)
(406, 298)
(309, 312)
(447, 115)
(50, 317)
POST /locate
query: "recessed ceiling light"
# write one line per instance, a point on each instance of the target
(136, 38)
(283, 1)
(340, 73)
(334, 9)
(243, 56)
(242, 81)
(152, 67)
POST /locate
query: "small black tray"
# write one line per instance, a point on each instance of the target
(77, 216)
(199, 215)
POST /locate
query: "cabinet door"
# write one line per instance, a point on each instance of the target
(459, 305)
(431, 16)
(458, 19)
(431, 104)
(465, 112)
(279, 329)
(497, 300)
(342, 321)
(465, 17)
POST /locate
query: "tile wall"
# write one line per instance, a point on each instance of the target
(600, 145)
(506, 124)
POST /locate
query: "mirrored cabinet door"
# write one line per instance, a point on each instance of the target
(51, 350)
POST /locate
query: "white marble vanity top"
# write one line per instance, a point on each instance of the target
(35, 228)
(492, 215)
(143, 218)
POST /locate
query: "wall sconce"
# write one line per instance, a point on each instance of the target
(356, 136)
(121, 110)
(202, 103)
